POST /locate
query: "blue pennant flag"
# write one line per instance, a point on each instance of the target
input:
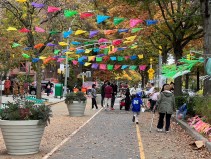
(123, 30)
(96, 49)
(75, 43)
(66, 34)
(134, 57)
(113, 58)
(27, 48)
(121, 48)
(124, 67)
(151, 22)
(101, 18)
(80, 51)
(34, 60)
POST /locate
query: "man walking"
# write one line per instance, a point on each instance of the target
(108, 96)
(103, 92)
(115, 88)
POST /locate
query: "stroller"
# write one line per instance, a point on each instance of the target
(122, 103)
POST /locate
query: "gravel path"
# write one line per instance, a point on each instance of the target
(61, 127)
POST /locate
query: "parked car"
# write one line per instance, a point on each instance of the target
(33, 88)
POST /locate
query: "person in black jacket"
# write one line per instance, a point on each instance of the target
(115, 88)
(127, 99)
(103, 92)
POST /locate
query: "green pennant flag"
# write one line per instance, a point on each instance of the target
(120, 58)
(56, 52)
(118, 20)
(134, 30)
(89, 42)
(26, 56)
(70, 13)
(15, 45)
(70, 59)
(99, 59)
(53, 32)
(132, 67)
(106, 51)
(110, 67)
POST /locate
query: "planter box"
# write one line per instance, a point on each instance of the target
(76, 108)
(22, 137)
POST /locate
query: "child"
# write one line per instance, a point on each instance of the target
(136, 107)
(154, 97)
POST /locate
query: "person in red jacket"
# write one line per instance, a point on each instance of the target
(108, 95)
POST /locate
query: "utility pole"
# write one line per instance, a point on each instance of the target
(160, 68)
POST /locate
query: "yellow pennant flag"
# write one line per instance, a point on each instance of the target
(63, 43)
(78, 32)
(134, 46)
(21, 1)
(87, 51)
(11, 29)
(131, 38)
(90, 58)
(87, 63)
(42, 57)
(141, 56)
(68, 52)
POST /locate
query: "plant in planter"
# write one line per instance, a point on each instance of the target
(22, 125)
(76, 103)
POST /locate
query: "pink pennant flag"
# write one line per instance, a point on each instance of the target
(102, 40)
(127, 57)
(134, 22)
(52, 9)
(117, 42)
(75, 62)
(39, 30)
(103, 46)
(60, 59)
(102, 67)
(116, 67)
(142, 67)
(114, 50)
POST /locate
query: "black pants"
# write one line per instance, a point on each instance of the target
(94, 103)
(102, 100)
(112, 101)
(160, 122)
(152, 104)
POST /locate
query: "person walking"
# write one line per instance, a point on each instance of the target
(48, 88)
(127, 99)
(115, 88)
(133, 92)
(166, 107)
(154, 97)
(94, 95)
(7, 85)
(103, 93)
(108, 96)
(136, 107)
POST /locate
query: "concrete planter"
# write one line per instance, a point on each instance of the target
(22, 137)
(76, 108)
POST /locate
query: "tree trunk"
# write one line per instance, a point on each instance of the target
(206, 9)
(187, 81)
(38, 80)
(178, 81)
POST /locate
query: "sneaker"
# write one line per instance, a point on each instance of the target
(133, 119)
(159, 130)
(167, 131)
(136, 122)
(112, 109)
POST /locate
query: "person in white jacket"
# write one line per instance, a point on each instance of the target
(133, 91)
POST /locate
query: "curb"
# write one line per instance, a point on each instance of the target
(193, 133)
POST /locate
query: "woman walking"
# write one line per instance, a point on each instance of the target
(94, 95)
(127, 99)
(166, 107)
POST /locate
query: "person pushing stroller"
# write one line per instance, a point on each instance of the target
(136, 107)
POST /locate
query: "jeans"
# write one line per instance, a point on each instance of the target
(107, 102)
(160, 122)
(94, 103)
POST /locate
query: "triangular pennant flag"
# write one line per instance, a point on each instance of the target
(75, 43)
(105, 51)
(96, 50)
(121, 48)
(78, 32)
(133, 46)
(116, 67)
(86, 15)
(63, 43)
(109, 32)
(52, 9)
(134, 22)
(24, 30)
(56, 52)
(70, 13)
(106, 58)
(131, 38)
(132, 67)
(42, 57)
(74, 62)
(118, 20)
(66, 34)
(142, 67)
(53, 32)
(134, 57)
(101, 18)
(110, 67)
(99, 59)
(88, 51)
(120, 58)
(103, 66)
(69, 53)
(93, 33)
(34, 60)
(50, 44)
(95, 65)
(91, 58)
(102, 40)
(113, 58)
(134, 30)
(38, 46)
(123, 30)
(124, 67)
(80, 51)
(103, 46)
(116, 42)
(127, 57)
(15, 45)
(151, 22)
(87, 64)
(26, 56)
(21, 1)
(141, 56)
(39, 30)
(37, 5)
(11, 29)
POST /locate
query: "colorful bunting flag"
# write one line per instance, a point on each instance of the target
(134, 57)
(24, 30)
(134, 30)
(151, 22)
(103, 66)
(120, 58)
(39, 30)
(70, 13)
(131, 38)
(66, 34)
(91, 58)
(42, 57)
(78, 32)
(21, 1)
(109, 32)
(123, 30)
(102, 40)
(63, 43)
(134, 22)
(50, 44)
(11, 29)
(102, 18)
(141, 56)
(116, 67)
(93, 33)
(142, 67)
(34, 60)
(99, 59)
(56, 52)
(37, 5)
(110, 67)
(75, 43)
(53, 32)
(95, 65)
(75, 62)
(86, 15)
(26, 56)
(118, 20)
(116, 42)
(38, 46)
(124, 67)
(14, 45)
(52, 9)
(87, 64)
(88, 51)
(80, 51)
(133, 67)
(113, 58)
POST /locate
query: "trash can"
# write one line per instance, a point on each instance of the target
(59, 90)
